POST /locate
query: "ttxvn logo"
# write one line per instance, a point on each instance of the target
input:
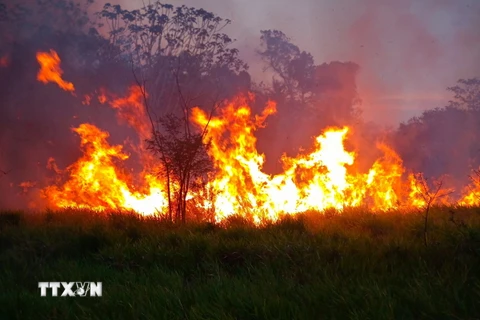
(71, 289)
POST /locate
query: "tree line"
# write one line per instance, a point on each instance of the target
(181, 56)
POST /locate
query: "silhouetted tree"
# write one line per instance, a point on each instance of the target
(430, 195)
(444, 140)
(170, 45)
(294, 67)
(180, 60)
(327, 90)
(467, 94)
(184, 159)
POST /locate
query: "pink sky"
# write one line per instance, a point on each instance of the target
(409, 51)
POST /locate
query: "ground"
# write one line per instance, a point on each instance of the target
(354, 265)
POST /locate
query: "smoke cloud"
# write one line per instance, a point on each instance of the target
(409, 51)
(398, 56)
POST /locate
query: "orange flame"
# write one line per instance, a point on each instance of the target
(471, 196)
(318, 180)
(50, 70)
(326, 177)
(97, 182)
(131, 110)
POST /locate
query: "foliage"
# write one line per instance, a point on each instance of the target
(164, 30)
(328, 89)
(22, 19)
(467, 94)
(181, 58)
(354, 265)
(295, 68)
(444, 141)
(170, 45)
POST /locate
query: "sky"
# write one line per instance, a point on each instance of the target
(409, 51)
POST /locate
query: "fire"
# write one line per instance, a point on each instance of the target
(96, 181)
(325, 177)
(50, 70)
(471, 195)
(130, 109)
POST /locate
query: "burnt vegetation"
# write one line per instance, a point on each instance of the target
(181, 264)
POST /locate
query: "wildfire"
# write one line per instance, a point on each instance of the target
(50, 70)
(471, 195)
(322, 179)
(325, 177)
(97, 182)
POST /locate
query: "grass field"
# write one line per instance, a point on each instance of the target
(353, 265)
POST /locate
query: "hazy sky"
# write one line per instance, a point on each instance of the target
(409, 51)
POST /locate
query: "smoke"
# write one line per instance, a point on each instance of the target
(409, 51)
(404, 55)
(36, 118)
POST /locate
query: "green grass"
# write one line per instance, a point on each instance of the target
(354, 265)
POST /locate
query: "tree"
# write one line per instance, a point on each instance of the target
(444, 140)
(309, 96)
(467, 94)
(182, 153)
(23, 20)
(430, 196)
(294, 67)
(170, 45)
(182, 60)
(327, 90)
(336, 91)
(185, 162)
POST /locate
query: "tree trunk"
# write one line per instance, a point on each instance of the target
(186, 184)
(169, 194)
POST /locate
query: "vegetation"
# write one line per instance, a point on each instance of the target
(354, 265)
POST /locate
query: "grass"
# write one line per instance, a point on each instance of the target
(354, 265)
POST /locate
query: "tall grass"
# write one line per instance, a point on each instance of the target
(350, 265)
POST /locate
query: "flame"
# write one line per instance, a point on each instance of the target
(131, 110)
(325, 177)
(26, 185)
(96, 181)
(471, 194)
(99, 180)
(50, 70)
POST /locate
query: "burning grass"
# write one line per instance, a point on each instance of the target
(355, 265)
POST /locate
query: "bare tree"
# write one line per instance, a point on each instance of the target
(180, 57)
(430, 196)
(182, 152)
